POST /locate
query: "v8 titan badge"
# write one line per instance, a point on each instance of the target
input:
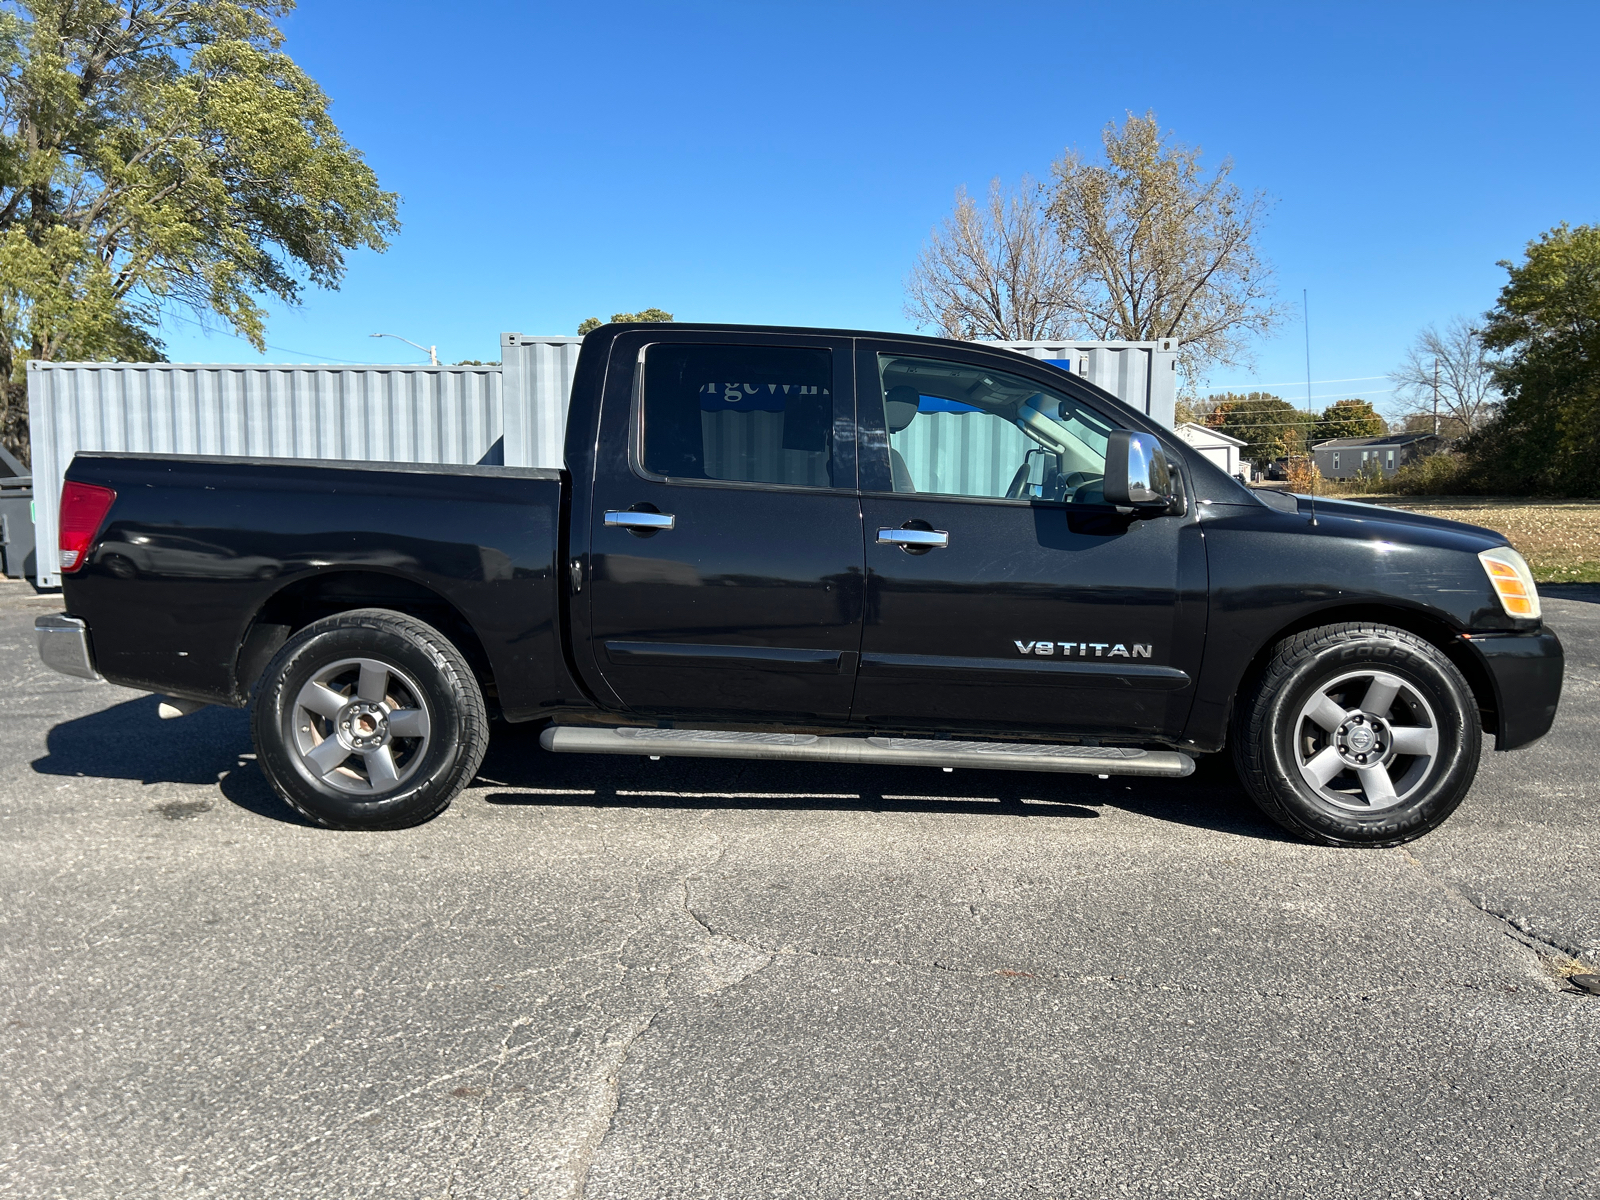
(1082, 649)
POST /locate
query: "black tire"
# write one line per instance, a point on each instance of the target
(1286, 739)
(393, 775)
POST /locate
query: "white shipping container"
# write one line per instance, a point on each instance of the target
(513, 414)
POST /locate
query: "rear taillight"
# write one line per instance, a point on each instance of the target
(83, 507)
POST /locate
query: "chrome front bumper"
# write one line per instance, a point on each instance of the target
(64, 645)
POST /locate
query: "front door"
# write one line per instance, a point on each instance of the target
(725, 535)
(1003, 593)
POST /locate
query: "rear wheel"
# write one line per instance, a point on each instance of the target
(1358, 735)
(369, 720)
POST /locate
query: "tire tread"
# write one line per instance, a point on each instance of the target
(1252, 732)
(453, 668)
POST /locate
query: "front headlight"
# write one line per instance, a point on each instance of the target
(1512, 581)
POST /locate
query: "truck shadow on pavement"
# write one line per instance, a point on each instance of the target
(129, 741)
(1210, 799)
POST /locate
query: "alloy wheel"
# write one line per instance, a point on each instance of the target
(1366, 741)
(361, 726)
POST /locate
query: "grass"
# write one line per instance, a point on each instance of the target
(1559, 538)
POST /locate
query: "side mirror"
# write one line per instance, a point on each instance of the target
(1137, 475)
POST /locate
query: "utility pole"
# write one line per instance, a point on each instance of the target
(1436, 397)
(1305, 314)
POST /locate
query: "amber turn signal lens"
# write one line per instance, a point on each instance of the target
(1512, 582)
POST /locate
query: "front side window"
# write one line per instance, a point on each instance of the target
(956, 429)
(747, 414)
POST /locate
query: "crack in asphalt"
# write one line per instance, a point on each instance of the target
(589, 1148)
(1544, 946)
(481, 1113)
(791, 952)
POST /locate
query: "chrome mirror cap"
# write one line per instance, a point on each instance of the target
(1137, 474)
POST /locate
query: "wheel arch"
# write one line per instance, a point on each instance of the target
(310, 598)
(1432, 629)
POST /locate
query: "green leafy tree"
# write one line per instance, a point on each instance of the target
(1269, 426)
(1547, 326)
(650, 314)
(1348, 419)
(158, 155)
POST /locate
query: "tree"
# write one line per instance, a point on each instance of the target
(1422, 422)
(1159, 250)
(1348, 419)
(1142, 247)
(999, 273)
(1457, 358)
(1547, 323)
(1269, 426)
(159, 154)
(590, 324)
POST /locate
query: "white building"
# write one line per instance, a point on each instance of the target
(1218, 447)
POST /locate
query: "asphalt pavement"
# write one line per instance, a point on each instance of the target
(614, 978)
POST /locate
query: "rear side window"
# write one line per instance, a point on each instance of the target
(746, 414)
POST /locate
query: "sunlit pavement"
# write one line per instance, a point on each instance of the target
(619, 978)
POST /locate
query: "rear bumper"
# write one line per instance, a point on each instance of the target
(1526, 671)
(64, 645)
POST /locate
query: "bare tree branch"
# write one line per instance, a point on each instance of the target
(1141, 247)
(998, 272)
(1160, 250)
(1468, 397)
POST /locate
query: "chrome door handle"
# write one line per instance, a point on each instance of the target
(914, 539)
(640, 520)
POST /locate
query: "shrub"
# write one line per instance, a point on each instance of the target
(1442, 474)
(1303, 475)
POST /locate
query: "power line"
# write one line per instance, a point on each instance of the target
(1228, 387)
(1347, 395)
(239, 337)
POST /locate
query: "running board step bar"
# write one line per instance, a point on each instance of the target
(905, 752)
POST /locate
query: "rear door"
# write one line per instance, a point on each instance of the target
(1003, 593)
(725, 529)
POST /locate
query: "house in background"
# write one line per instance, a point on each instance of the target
(1345, 458)
(1215, 445)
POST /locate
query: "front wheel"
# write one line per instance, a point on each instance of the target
(369, 720)
(1358, 735)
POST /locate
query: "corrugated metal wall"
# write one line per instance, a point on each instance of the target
(368, 413)
(515, 413)
(1143, 374)
(538, 387)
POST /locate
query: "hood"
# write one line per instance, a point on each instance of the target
(1396, 523)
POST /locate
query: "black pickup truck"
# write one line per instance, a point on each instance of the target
(807, 545)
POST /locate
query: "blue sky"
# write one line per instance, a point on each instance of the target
(782, 163)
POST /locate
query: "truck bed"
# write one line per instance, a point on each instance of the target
(210, 561)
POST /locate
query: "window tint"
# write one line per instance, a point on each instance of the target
(962, 430)
(755, 414)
